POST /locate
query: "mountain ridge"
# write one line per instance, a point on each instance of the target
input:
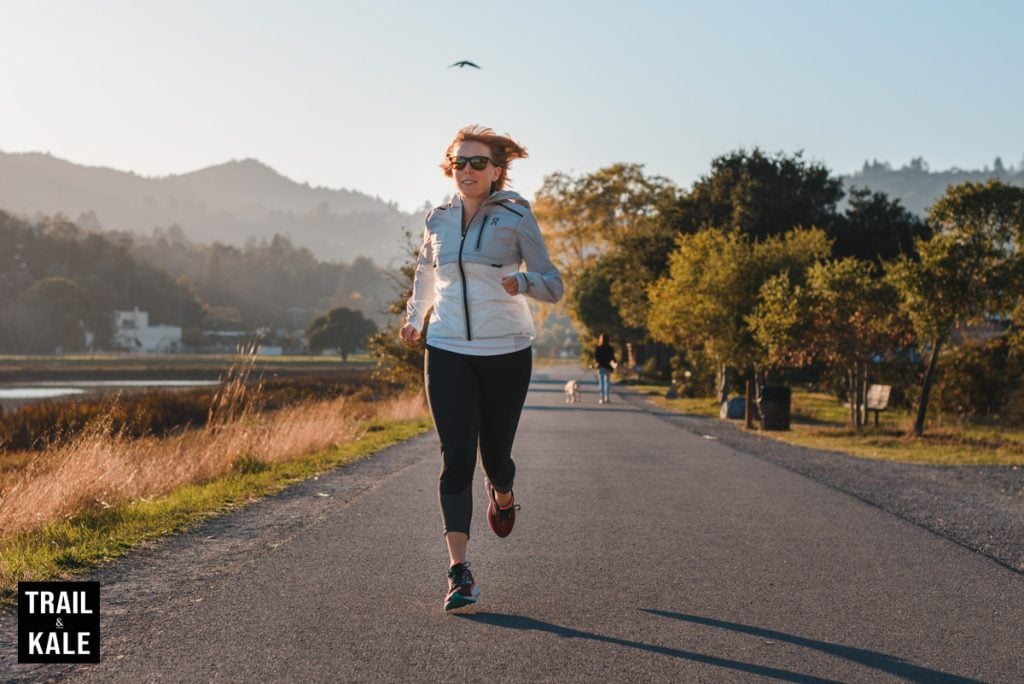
(231, 202)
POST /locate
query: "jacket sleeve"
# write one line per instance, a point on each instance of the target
(422, 297)
(541, 279)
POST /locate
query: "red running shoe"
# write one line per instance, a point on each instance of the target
(462, 588)
(500, 519)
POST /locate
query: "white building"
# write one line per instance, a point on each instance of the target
(133, 332)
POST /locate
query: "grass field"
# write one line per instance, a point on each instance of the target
(819, 421)
(74, 502)
(65, 547)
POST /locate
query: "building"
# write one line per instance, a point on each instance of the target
(133, 332)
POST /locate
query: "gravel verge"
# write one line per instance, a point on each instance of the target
(979, 507)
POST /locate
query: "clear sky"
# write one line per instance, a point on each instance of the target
(358, 95)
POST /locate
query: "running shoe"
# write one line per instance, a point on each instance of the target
(462, 588)
(500, 519)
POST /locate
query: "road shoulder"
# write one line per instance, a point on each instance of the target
(979, 507)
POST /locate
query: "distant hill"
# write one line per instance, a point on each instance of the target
(232, 203)
(917, 187)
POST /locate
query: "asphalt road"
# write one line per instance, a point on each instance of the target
(643, 552)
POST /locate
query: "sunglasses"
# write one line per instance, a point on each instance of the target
(479, 163)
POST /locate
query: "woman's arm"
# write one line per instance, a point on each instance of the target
(422, 297)
(541, 279)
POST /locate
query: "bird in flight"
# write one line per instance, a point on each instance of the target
(464, 63)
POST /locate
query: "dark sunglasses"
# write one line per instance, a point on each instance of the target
(479, 163)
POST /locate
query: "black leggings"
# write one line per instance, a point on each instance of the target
(475, 400)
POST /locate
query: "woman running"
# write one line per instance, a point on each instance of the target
(478, 359)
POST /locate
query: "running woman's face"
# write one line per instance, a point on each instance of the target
(469, 182)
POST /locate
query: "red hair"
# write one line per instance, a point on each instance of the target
(503, 150)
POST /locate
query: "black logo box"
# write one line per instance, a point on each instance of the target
(58, 622)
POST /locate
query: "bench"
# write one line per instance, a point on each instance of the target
(877, 399)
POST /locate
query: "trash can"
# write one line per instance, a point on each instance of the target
(775, 407)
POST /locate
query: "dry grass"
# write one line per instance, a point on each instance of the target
(97, 469)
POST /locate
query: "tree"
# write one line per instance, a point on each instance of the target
(713, 285)
(397, 362)
(843, 316)
(593, 307)
(638, 259)
(971, 269)
(584, 217)
(54, 312)
(342, 329)
(759, 195)
(876, 229)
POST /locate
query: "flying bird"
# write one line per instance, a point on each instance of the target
(464, 63)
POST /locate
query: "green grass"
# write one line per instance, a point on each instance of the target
(701, 406)
(819, 421)
(67, 547)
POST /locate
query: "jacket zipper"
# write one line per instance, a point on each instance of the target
(480, 235)
(462, 273)
(465, 293)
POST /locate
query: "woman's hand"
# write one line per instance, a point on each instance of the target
(511, 284)
(409, 335)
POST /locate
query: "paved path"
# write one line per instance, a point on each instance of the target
(642, 552)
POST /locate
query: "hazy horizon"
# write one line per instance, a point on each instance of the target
(359, 96)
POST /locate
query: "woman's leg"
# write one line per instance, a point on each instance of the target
(504, 382)
(453, 393)
(603, 383)
(457, 543)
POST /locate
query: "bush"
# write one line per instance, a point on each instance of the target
(694, 375)
(981, 379)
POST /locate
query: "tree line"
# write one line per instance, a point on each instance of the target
(754, 272)
(59, 281)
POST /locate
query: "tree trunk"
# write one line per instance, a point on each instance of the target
(759, 383)
(723, 383)
(851, 394)
(926, 388)
(864, 394)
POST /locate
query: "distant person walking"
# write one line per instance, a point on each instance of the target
(478, 357)
(604, 356)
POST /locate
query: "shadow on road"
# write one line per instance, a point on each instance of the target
(872, 659)
(525, 623)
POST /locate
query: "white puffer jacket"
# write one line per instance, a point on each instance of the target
(459, 274)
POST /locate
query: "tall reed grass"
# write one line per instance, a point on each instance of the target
(101, 466)
(159, 413)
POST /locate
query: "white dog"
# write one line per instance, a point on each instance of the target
(572, 392)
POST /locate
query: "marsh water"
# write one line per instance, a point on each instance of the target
(17, 394)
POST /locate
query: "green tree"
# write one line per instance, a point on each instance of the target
(584, 217)
(970, 269)
(592, 305)
(876, 229)
(638, 259)
(55, 312)
(397, 362)
(342, 329)
(759, 195)
(842, 316)
(713, 286)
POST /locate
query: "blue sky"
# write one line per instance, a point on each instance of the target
(358, 94)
